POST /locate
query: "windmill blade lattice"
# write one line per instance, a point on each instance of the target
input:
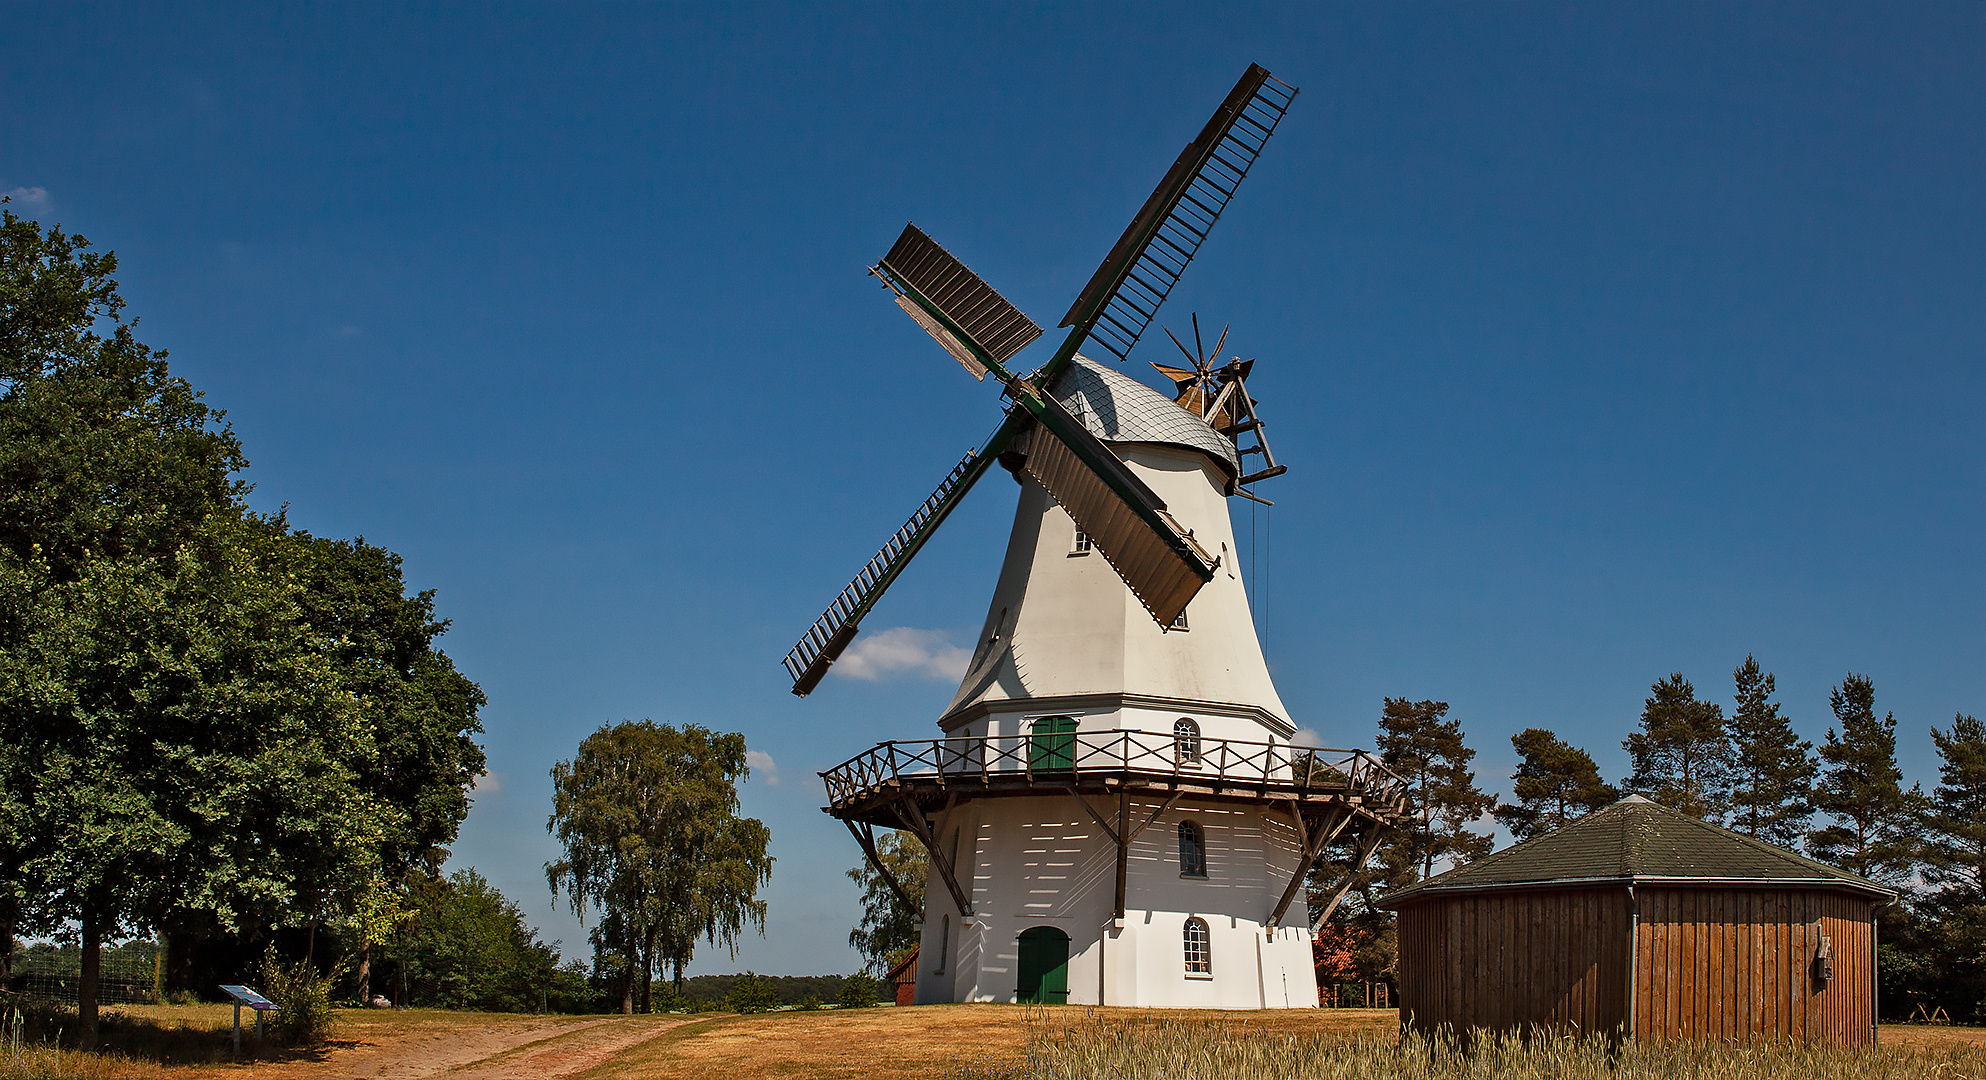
(1125, 293)
(809, 659)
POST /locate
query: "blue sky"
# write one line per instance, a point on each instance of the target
(1601, 341)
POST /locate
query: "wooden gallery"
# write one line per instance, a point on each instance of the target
(1646, 922)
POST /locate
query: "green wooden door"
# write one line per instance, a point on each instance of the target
(1052, 743)
(1044, 967)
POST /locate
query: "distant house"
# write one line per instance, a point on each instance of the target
(1641, 921)
(903, 979)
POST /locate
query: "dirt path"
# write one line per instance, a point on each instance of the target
(468, 1046)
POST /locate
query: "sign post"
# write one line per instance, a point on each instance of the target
(242, 995)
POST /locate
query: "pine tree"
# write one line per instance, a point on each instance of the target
(1950, 932)
(1861, 788)
(1681, 756)
(1774, 768)
(1955, 827)
(1556, 783)
(1425, 748)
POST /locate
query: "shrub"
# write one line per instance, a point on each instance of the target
(859, 992)
(303, 994)
(752, 995)
(810, 1003)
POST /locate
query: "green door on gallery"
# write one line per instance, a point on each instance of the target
(1051, 744)
(1044, 967)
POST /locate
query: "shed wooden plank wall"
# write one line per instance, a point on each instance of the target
(1736, 964)
(1509, 959)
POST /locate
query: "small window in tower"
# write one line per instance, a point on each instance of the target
(1186, 742)
(1192, 850)
(1199, 957)
(1081, 545)
(1179, 621)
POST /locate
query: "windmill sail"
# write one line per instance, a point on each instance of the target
(958, 309)
(1126, 291)
(1123, 518)
(809, 659)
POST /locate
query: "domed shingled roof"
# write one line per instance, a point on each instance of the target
(1638, 842)
(1118, 408)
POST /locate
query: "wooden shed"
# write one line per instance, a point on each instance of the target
(1637, 920)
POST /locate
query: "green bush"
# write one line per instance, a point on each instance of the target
(810, 1003)
(752, 995)
(303, 995)
(859, 992)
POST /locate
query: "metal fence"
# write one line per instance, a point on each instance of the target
(128, 973)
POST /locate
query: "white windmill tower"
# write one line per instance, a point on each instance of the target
(1115, 814)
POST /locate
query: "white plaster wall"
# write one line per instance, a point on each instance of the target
(1043, 860)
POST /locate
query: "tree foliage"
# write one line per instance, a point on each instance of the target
(1556, 783)
(1772, 768)
(1681, 756)
(190, 742)
(1861, 788)
(889, 927)
(1424, 747)
(466, 946)
(647, 816)
(1955, 828)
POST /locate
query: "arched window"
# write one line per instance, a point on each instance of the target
(1199, 958)
(1192, 850)
(1186, 741)
(944, 944)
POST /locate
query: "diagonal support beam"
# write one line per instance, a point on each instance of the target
(1365, 849)
(1311, 846)
(1122, 834)
(865, 835)
(913, 818)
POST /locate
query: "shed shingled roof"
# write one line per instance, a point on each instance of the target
(1636, 841)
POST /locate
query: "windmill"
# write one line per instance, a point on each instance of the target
(1090, 684)
(1128, 522)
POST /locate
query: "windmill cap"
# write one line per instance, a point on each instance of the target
(1118, 408)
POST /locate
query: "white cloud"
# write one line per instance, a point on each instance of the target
(763, 765)
(903, 650)
(36, 197)
(1306, 737)
(488, 783)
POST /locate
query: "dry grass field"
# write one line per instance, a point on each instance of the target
(938, 1042)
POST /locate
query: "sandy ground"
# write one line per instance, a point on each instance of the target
(420, 1043)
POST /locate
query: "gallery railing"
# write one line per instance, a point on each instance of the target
(1062, 757)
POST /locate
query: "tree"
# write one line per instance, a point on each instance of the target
(1681, 756)
(888, 929)
(1861, 788)
(1556, 783)
(105, 459)
(1939, 957)
(187, 751)
(647, 815)
(1426, 750)
(1772, 768)
(466, 946)
(1955, 828)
